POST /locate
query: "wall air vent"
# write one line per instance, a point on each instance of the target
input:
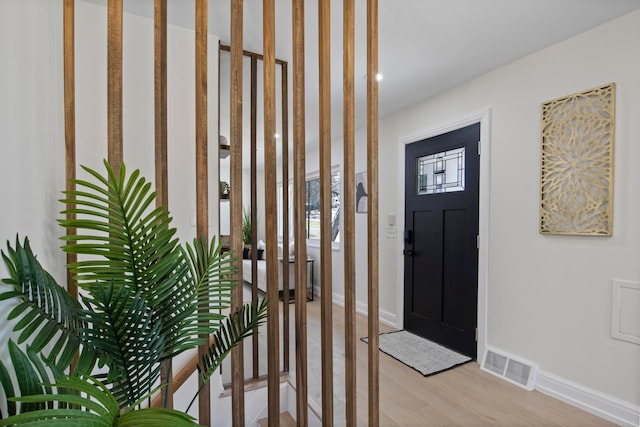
(505, 366)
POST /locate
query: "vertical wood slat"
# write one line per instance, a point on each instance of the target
(372, 212)
(160, 124)
(299, 182)
(70, 123)
(218, 145)
(326, 312)
(235, 109)
(202, 192)
(114, 83)
(273, 334)
(254, 206)
(348, 213)
(285, 214)
(160, 101)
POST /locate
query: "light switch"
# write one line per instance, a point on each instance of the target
(392, 232)
(391, 220)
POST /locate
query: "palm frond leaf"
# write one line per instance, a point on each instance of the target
(215, 276)
(176, 310)
(126, 240)
(153, 417)
(209, 278)
(56, 418)
(30, 374)
(99, 408)
(49, 313)
(9, 391)
(123, 329)
(236, 327)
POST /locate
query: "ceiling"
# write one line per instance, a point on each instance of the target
(425, 46)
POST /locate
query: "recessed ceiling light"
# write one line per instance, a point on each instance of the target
(276, 135)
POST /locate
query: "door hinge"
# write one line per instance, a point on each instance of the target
(477, 241)
(479, 148)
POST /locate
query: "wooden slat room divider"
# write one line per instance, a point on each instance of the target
(115, 150)
(160, 101)
(299, 183)
(70, 123)
(253, 103)
(202, 170)
(160, 131)
(254, 204)
(285, 214)
(273, 327)
(349, 213)
(114, 83)
(326, 286)
(372, 211)
(237, 354)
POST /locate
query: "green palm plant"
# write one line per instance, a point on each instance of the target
(246, 227)
(142, 305)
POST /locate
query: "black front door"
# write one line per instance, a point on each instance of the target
(441, 229)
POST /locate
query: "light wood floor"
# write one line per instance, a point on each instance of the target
(465, 396)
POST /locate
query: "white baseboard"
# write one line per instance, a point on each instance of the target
(385, 317)
(604, 406)
(388, 319)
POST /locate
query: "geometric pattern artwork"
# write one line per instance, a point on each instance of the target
(576, 185)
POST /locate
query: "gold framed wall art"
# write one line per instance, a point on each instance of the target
(576, 184)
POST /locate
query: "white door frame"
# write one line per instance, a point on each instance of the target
(484, 118)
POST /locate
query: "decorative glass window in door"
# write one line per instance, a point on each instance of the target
(440, 172)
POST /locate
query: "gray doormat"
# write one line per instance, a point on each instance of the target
(419, 353)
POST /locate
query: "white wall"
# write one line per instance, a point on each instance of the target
(549, 297)
(31, 137)
(31, 127)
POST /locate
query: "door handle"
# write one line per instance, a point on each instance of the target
(407, 252)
